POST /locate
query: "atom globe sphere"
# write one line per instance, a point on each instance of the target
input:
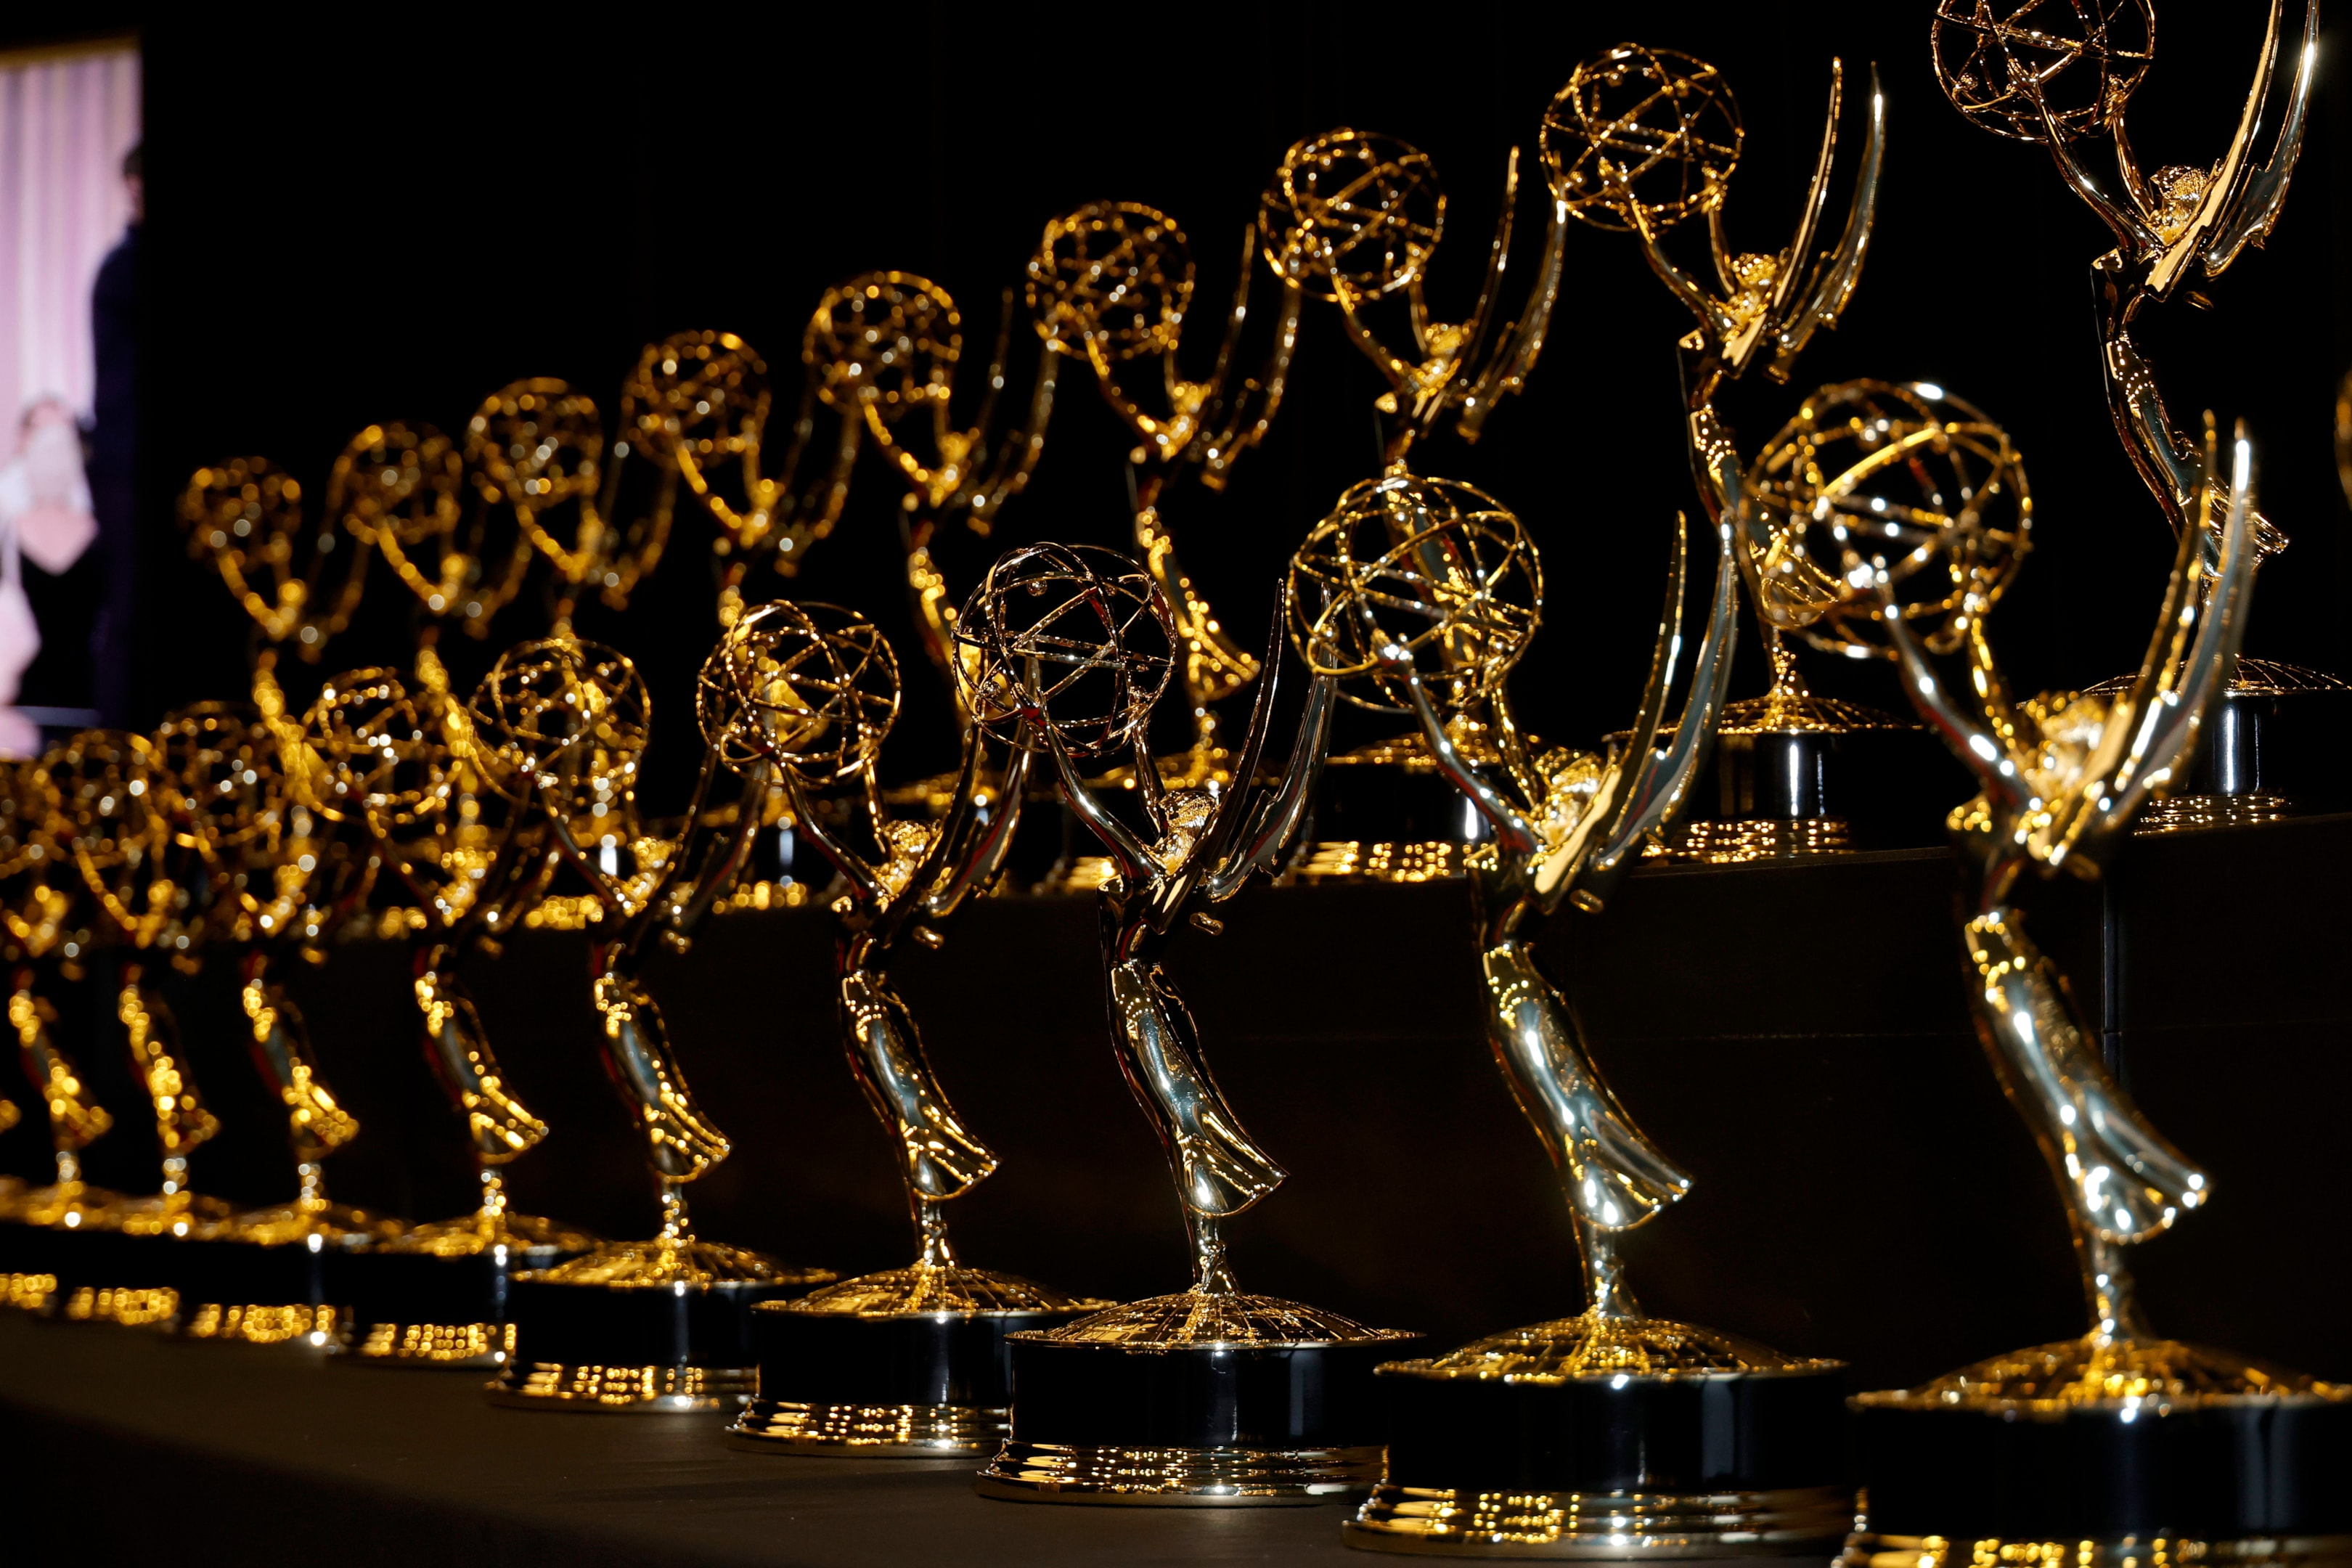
(1645, 129)
(568, 718)
(1070, 638)
(1115, 278)
(888, 340)
(812, 688)
(1906, 477)
(1441, 569)
(1352, 207)
(377, 759)
(2003, 62)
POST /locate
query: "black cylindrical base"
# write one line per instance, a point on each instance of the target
(1611, 1464)
(660, 1347)
(413, 1308)
(1721, 1432)
(904, 1386)
(1271, 1398)
(2218, 1470)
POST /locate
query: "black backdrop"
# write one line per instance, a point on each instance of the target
(355, 220)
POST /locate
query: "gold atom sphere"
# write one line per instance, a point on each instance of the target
(1115, 275)
(2001, 61)
(103, 783)
(707, 391)
(29, 811)
(1637, 127)
(1354, 206)
(1072, 635)
(217, 771)
(535, 441)
(888, 340)
(1907, 477)
(382, 761)
(393, 478)
(567, 716)
(1439, 568)
(813, 689)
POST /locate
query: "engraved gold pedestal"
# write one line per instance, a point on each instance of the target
(646, 1328)
(1202, 1399)
(911, 1363)
(1610, 1437)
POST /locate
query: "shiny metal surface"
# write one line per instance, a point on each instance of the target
(1355, 218)
(1873, 1549)
(805, 695)
(1110, 283)
(1648, 138)
(2005, 69)
(1072, 647)
(2062, 776)
(1599, 1526)
(1411, 581)
(1180, 1477)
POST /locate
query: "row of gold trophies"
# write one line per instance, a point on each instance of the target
(1885, 519)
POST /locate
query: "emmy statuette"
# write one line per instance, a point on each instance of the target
(911, 1362)
(660, 1325)
(2120, 1446)
(1209, 1397)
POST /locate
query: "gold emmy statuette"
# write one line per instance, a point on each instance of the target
(1208, 1397)
(398, 767)
(2030, 72)
(885, 347)
(698, 407)
(660, 1325)
(2104, 1450)
(1612, 1434)
(1643, 140)
(1110, 283)
(1355, 218)
(280, 893)
(911, 1362)
(49, 933)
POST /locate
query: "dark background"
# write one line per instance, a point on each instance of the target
(361, 220)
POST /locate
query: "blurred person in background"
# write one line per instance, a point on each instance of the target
(49, 574)
(113, 456)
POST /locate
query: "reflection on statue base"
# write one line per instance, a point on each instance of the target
(43, 1236)
(911, 1363)
(436, 1297)
(261, 1277)
(645, 1327)
(1797, 775)
(1196, 1400)
(1610, 1437)
(2272, 746)
(2111, 1451)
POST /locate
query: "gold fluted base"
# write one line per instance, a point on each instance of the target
(622, 1390)
(452, 1347)
(1753, 839)
(1176, 1478)
(310, 1328)
(868, 1431)
(1866, 1548)
(1597, 1525)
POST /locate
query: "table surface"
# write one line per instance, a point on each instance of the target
(242, 1445)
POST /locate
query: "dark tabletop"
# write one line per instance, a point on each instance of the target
(121, 1444)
